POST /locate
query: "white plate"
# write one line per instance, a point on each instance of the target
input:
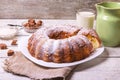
(22, 45)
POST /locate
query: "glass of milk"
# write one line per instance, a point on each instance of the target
(85, 18)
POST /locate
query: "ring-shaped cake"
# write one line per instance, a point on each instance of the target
(63, 44)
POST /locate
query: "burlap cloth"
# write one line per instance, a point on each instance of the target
(18, 64)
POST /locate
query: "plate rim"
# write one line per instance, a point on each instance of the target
(22, 46)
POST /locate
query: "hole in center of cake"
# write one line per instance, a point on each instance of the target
(62, 34)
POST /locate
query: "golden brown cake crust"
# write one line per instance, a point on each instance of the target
(61, 44)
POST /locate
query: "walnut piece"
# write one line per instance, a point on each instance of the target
(3, 46)
(14, 42)
(31, 23)
(10, 52)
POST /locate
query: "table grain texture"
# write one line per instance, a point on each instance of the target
(104, 67)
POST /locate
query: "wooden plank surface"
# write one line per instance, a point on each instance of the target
(104, 67)
(49, 9)
(98, 69)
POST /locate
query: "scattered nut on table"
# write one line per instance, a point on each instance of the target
(10, 52)
(3, 46)
(14, 42)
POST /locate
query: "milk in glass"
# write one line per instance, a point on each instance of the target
(85, 19)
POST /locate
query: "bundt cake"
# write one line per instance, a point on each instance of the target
(63, 44)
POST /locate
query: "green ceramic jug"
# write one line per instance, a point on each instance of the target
(108, 23)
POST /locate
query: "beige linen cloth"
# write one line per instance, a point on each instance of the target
(18, 64)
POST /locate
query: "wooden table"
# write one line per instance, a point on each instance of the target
(104, 67)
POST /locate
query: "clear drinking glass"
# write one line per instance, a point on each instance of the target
(85, 18)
